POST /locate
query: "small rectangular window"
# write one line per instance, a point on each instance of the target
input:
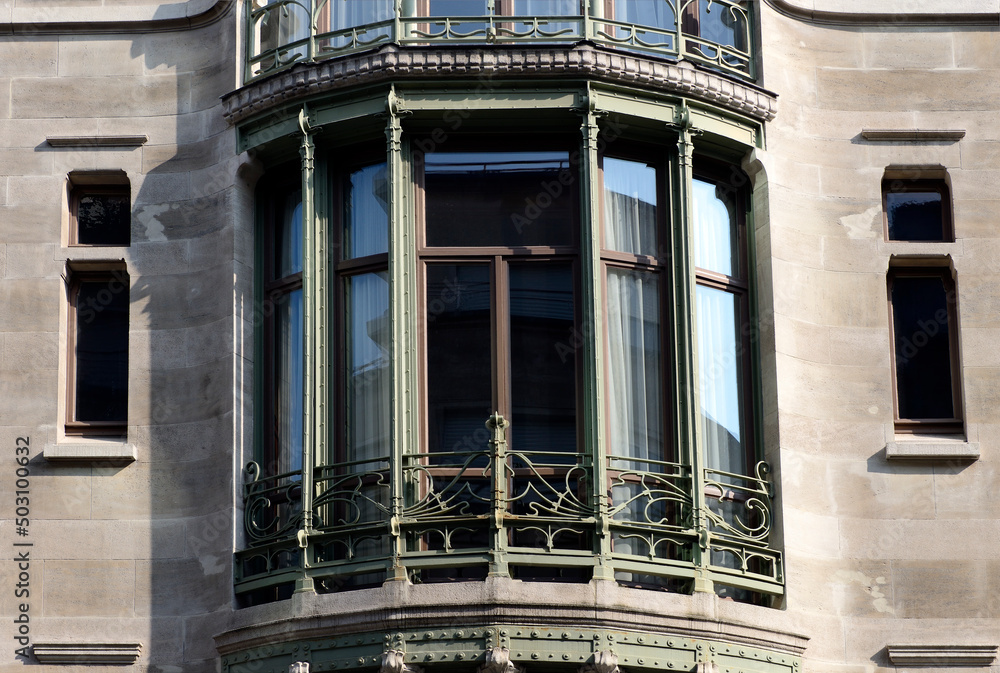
(98, 353)
(922, 305)
(100, 205)
(917, 210)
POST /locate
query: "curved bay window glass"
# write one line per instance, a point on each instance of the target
(466, 381)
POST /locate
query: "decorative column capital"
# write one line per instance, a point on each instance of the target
(605, 661)
(498, 661)
(393, 662)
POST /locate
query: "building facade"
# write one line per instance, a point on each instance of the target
(500, 335)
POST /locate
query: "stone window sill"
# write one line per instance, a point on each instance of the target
(932, 450)
(90, 452)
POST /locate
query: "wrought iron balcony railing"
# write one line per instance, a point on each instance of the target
(529, 514)
(716, 33)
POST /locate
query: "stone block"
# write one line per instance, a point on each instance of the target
(920, 540)
(30, 351)
(28, 57)
(98, 588)
(185, 441)
(846, 588)
(180, 300)
(874, 490)
(64, 492)
(56, 98)
(26, 161)
(83, 55)
(174, 158)
(180, 587)
(810, 534)
(95, 540)
(957, 90)
(941, 589)
(161, 491)
(908, 49)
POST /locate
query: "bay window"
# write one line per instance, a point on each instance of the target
(462, 277)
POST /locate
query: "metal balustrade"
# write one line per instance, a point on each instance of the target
(503, 512)
(715, 33)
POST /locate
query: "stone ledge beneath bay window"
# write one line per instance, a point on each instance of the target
(932, 450)
(942, 655)
(86, 653)
(90, 452)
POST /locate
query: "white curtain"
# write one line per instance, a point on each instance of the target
(367, 218)
(629, 206)
(368, 357)
(635, 370)
(720, 378)
(714, 226)
(289, 383)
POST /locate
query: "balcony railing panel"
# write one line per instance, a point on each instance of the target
(716, 33)
(531, 514)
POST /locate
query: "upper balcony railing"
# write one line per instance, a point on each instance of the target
(715, 33)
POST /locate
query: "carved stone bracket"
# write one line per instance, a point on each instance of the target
(299, 667)
(393, 662)
(605, 661)
(498, 661)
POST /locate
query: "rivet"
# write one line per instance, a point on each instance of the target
(670, 664)
(566, 657)
(670, 643)
(565, 635)
(460, 656)
(361, 661)
(534, 634)
(743, 653)
(551, 656)
(360, 641)
(428, 635)
(428, 657)
(534, 655)
(640, 660)
(459, 634)
(770, 658)
(504, 632)
(640, 639)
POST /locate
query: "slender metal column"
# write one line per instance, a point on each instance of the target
(686, 344)
(592, 338)
(307, 152)
(497, 425)
(403, 309)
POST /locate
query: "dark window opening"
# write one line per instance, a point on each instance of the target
(917, 210)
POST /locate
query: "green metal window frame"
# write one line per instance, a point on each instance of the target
(280, 557)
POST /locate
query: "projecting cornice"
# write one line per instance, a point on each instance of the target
(580, 61)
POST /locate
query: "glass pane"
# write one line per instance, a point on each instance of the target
(914, 216)
(288, 383)
(923, 350)
(458, 8)
(350, 13)
(104, 219)
(654, 13)
(720, 374)
(368, 356)
(499, 198)
(288, 236)
(546, 8)
(102, 351)
(714, 229)
(366, 216)
(721, 24)
(542, 358)
(459, 357)
(635, 369)
(629, 206)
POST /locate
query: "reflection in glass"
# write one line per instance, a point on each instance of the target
(714, 229)
(104, 219)
(458, 8)
(542, 361)
(720, 374)
(499, 198)
(288, 236)
(368, 355)
(629, 206)
(350, 13)
(915, 216)
(635, 374)
(651, 13)
(546, 7)
(366, 216)
(102, 351)
(288, 383)
(920, 318)
(715, 22)
(459, 357)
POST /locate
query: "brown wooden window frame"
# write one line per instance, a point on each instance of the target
(108, 272)
(96, 183)
(928, 426)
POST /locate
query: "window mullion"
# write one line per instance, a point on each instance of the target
(686, 385)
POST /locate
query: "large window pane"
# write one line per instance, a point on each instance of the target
(508, 199)
(368, 356)
(714, 229)
(366, 212)
(542, 360)
(720, 372)
(630, 206)
(288, 384)
(635, 369)
(920, 323)
(459, 357)
(915, 216)
(350, 13)
(546, 7)
(102, 351)
(457, 8)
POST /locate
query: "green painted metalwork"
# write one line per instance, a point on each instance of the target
(567, 649)
(281, 33)
(424, 516)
